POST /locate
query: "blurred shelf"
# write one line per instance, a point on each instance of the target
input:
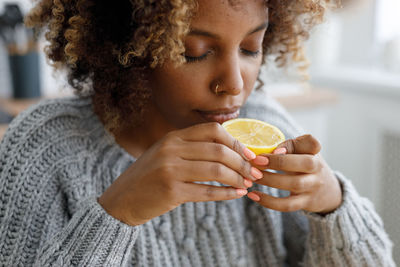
(358, 79)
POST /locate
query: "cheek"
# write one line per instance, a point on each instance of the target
(250, 75)
(176, 95)
(177, 89)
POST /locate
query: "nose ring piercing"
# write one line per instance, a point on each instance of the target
(216, 89)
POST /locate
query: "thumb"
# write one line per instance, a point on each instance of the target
(305, 144)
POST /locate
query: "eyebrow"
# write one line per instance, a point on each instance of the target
(200, 32)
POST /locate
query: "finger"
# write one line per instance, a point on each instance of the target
(261, 161)
(203, 151)
(204, 171)
(300, 183)
(285, 204)
(305, 144)
(200, 192)
(215, 133)
(294, 163)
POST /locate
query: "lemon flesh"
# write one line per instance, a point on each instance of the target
(258, 136)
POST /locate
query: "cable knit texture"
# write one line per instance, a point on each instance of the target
(56, 159)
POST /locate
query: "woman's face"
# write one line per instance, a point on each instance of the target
(224, 48)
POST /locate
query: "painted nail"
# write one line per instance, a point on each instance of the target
(280, 150)
(247, 183)
(249, 154)
(253, 196)
(260, 160)
(241, 192)
(256, 173)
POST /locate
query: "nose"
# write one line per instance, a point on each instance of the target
(230, 79)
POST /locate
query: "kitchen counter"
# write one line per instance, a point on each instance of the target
(309, 99)
(3, 128)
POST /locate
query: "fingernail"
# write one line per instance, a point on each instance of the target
(256, 173)
(253, 196)
(241, 192)
(280, 150)
(249, 154)
(260, 160)
(247, 183)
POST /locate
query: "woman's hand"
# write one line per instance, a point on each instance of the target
(313, 186)
(164, 176)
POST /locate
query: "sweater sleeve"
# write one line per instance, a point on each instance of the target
(36, 227)
(90, 238)
(352, 235)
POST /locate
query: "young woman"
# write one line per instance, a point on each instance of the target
(137, 170)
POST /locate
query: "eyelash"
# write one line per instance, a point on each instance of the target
(190, 59)
(194, 59)
(250, 53)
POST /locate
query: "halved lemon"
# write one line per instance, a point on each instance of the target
(258, 136)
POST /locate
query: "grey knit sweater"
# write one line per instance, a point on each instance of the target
(56, 159)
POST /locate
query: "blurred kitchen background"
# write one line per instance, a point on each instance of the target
(351, 104)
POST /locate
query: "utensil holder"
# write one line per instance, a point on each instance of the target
(25, 74)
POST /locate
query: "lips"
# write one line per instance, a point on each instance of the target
(219, 116)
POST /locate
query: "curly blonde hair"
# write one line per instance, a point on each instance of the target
(113, 45)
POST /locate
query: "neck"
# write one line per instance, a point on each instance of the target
(136, 140)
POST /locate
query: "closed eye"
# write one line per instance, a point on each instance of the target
(190, 59)
(193, 59)
(250, 53)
